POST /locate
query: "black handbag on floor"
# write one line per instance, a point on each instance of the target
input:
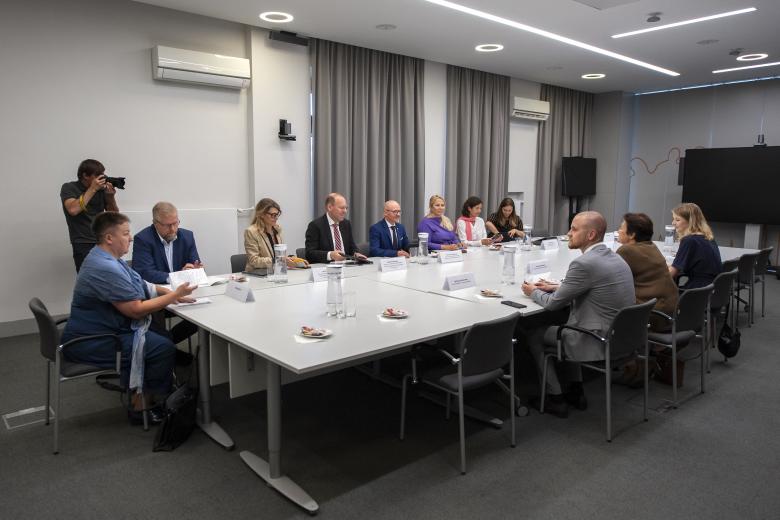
(179, 419)
(729, 341)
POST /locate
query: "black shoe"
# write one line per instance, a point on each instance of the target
(576, 398)
(553, 404)
(136, 417)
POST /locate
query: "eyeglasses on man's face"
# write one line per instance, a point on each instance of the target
(394, 211)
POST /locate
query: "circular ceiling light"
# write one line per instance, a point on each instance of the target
(276, 17)
(752, 57)
(593, 76)
(386, 27)
(489, 47)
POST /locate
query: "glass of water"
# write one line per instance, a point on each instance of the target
(413, 251)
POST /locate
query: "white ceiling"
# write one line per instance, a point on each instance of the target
(432, 32)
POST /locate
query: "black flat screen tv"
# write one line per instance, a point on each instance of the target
(734, 184)
(578, 176)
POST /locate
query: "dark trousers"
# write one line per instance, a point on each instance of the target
(80, 252)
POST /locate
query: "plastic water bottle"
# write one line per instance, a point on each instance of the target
(335, 299)
(668, 237)
(527, 239)
(508, 268)
(423, 248)
(280, 264)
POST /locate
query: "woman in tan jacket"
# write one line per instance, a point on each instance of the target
(261, 236)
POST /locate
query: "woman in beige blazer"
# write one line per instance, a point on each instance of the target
(261, 236)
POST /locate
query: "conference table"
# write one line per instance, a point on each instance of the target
(233, 334)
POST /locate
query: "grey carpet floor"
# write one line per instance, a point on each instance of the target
(716, 457)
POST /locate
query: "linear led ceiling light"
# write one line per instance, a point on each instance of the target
(685, 22)
(747, 67)
(547, 34)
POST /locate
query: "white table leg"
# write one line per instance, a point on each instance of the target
(271, 471)
(209, 427)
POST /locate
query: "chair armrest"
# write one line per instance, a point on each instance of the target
(74, 341)
(662, 314)
(449, 356)
(62, 320)
(579, 329)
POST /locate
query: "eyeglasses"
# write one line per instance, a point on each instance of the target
(274, 215)
(171, 225)
(394, 211)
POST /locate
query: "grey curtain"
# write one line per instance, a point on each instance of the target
(369, 138)
(566, 133)
(478, 106)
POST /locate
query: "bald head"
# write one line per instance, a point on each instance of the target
(336, 206)
(587, 228)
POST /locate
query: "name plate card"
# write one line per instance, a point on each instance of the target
(538, 266)
(550, 244)
(397, 263)
(448, 257)
(240, 291)
(455, 282)
(319, 274)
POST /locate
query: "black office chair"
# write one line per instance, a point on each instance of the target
(64, 370)
(745, 280)
(300, 252)
(688, 319)
(730, 265)
(762, 264)
(720, 307)
(486, 348)
(237, 262)
(625, 340)
(364, 249)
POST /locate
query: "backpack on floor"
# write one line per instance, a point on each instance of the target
(179, 410)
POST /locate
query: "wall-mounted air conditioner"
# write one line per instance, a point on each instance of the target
(204, 68)
(525, 108)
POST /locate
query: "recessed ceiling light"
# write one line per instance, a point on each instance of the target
(276, 17)
(685, 22)
(593, 76)
(547, 34)
(489, 47)
(386, 27)
(753, 57)
(747, 67)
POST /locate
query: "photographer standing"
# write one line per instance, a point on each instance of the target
(82, 201)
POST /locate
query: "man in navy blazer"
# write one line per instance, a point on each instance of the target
(388, 236)
(164, 247)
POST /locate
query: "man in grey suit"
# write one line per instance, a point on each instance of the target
(597, 285)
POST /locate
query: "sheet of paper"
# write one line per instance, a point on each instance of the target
(191, 276)
(197, 301)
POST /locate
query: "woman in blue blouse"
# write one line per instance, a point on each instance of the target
(441, 232)
(111, 298)
(698, 256)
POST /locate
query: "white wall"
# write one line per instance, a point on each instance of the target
(77, 83)
(435, 104)
(523, 134)
(281, 170)
(725, 116)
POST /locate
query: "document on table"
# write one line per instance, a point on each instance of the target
(197, 301)
(194, 277)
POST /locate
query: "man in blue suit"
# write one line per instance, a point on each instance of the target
(164, 247)
(388, 236)
(161, 249)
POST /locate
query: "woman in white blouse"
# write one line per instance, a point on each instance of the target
(471, 228)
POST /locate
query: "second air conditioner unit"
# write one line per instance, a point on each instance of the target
(204, 68)
(525, 108)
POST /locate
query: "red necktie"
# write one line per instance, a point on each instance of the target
(337, 238)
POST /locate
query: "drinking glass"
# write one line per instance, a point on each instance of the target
(350, 304)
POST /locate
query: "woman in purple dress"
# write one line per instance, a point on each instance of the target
(441, 232)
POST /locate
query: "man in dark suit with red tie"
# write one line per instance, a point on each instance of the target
(388, 236)
(329, 237)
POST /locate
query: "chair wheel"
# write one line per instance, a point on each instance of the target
(522, 411)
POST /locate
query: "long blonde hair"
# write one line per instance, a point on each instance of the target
(697, 224)
(262, 206)
(446, 223)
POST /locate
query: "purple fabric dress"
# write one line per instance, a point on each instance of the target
(437, 235)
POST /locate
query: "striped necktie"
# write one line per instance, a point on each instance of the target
(337, 238)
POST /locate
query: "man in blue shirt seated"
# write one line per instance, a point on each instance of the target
(163, 248)
(388, 236)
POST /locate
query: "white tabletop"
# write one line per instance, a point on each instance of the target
(269, 325)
